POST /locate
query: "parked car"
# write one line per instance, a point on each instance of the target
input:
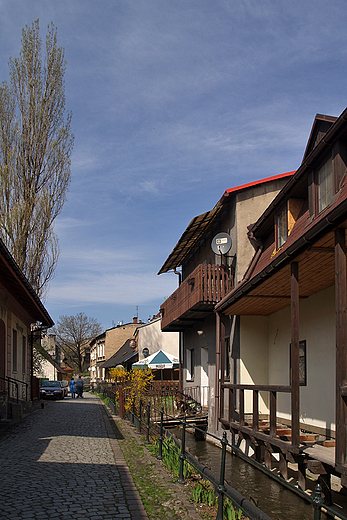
(51, 390)
(65, 387)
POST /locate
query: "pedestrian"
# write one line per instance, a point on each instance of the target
(72, 388)
(79, 386)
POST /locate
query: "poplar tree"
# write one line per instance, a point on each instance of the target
(35, 149)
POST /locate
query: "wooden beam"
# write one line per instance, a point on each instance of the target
(295, 404)
(272, 296)
(341, 350)
(321, 250)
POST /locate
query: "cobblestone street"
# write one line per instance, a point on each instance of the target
(63, 461)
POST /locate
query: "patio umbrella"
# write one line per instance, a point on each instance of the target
(158, 361)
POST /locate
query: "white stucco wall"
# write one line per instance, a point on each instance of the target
(250, 204)
(150, 336)
(317, 327)
(254, 357)
(265, 352)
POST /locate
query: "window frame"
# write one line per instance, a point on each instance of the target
(14, 350)
(283, 212)
(317, 185)
(302, 362)
(24, 355)
(190, 364)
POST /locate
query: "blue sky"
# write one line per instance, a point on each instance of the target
(173, 102)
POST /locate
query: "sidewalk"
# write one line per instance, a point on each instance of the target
(64, 461)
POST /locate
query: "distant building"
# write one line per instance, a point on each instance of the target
(106, 345)
(51, 365)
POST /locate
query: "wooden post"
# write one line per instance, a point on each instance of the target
(273, 414)
(256, 410)
(231, 405)
(295, 353)
(242, 406)
(283, 466)
(341, 350)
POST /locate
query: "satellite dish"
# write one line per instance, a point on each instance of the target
(221, 244)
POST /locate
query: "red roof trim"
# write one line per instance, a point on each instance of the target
(261, 181)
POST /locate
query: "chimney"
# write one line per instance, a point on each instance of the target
(135, 319)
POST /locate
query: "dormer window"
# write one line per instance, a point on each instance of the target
(325, 185)
(285, 220)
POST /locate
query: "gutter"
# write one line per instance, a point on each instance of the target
(324, 225)
(26, 286)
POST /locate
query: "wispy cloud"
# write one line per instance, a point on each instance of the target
(173, 102)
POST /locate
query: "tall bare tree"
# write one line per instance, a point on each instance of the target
(35, 149)
(73, 335)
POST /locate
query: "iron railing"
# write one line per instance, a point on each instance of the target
(16, 389)
(150, 421)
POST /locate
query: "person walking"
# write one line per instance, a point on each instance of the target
(79, 386)
(72, 388)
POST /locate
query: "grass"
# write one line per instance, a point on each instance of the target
(157, 494)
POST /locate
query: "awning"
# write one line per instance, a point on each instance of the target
(122, 356)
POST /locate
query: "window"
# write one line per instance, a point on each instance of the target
(190, 364)
(14, 351)
(281, 227)
(24, 354)
(227, 359)
(302, 362)
(325, 185)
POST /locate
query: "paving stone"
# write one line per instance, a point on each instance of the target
(61, 461)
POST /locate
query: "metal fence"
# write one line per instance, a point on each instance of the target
(149, 420)
(16, 389)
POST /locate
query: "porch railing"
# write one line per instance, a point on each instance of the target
(237, 415)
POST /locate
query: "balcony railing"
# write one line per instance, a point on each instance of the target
(199, 292)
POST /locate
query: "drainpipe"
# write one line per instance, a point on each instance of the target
(180, 342)
(32, 366)
(216, 386)
(179, 276)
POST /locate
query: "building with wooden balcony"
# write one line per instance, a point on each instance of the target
(283, 383)
(205, 278)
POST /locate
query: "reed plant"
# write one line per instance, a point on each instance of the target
(202, 490)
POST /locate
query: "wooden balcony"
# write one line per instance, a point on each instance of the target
(195, 297)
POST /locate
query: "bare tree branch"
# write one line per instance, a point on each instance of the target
(73, 335)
